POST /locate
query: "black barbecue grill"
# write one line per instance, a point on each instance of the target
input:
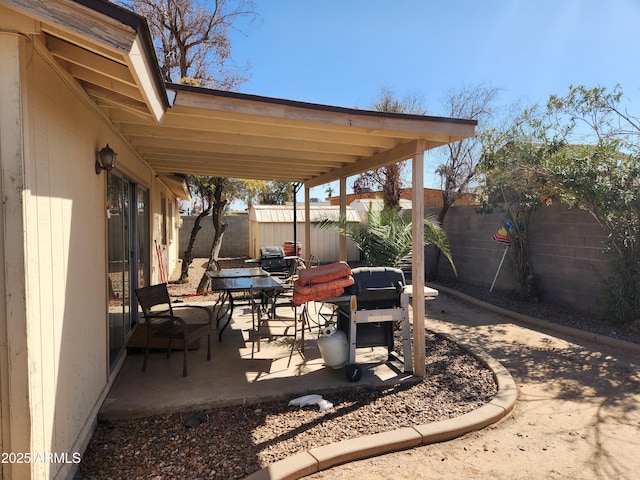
(273, 261)
(375, 288)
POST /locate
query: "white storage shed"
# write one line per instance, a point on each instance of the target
(273, 225)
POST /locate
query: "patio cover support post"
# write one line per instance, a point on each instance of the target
(307, 223)
(417, 268)
(343, 214)
(296, 187)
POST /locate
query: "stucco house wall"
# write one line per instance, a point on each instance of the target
(54, 368)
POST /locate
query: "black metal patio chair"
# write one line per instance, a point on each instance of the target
(164, 323)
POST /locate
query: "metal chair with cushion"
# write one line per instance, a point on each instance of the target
(164, 323)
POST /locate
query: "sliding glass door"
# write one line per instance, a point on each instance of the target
(128, 247)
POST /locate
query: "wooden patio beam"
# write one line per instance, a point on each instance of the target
(388, 157)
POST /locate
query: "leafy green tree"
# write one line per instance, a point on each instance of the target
(275, 193)
(518, 194)
(249, 190)
(546, 148)
(262, 192)
(385, 241)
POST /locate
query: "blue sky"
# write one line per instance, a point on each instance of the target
(343, 52)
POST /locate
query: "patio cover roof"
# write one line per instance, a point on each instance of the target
(107, 51)
(219, 133)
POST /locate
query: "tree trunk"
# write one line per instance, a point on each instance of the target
(435, 260)
(187, 257)
(219, 227)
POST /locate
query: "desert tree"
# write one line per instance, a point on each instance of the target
(191, 39)
(458, 168)
(201, 188)
(221, 189)
(390, 178)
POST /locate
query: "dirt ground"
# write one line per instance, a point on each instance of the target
(577, 416)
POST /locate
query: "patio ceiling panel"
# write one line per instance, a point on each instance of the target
(227, 162)
(246, 141)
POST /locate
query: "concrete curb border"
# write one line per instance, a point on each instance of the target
(327, 456)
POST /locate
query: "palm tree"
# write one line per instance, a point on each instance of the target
(386, 241)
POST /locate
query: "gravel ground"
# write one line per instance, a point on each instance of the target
(232, 442)
(549, 312)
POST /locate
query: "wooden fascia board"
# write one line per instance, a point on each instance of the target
(141, 68)
(100, 30)
(402, 152)
(371, 122)
(177, 186)
(15, 21)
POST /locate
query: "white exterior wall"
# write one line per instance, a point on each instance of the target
(325, 245)
(54, 369)
(66, 277)
(14, 362)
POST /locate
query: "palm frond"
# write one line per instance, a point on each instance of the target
(387, 239)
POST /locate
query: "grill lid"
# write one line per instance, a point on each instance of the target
(271, 252)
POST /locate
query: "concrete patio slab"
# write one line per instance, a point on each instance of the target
(232, 377)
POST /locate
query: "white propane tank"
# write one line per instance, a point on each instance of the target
(333, 346)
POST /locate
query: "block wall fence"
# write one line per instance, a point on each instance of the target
(566, 254)
(235, 242)
(566, 251)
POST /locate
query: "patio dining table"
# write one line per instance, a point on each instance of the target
(254, 281)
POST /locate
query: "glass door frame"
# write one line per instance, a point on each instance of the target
(128, 248)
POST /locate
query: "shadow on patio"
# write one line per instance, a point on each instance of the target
(231, 377)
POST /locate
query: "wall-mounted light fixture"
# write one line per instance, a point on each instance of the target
(106, 159)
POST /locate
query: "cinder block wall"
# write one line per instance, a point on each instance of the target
(234, 244)
(566, 254)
